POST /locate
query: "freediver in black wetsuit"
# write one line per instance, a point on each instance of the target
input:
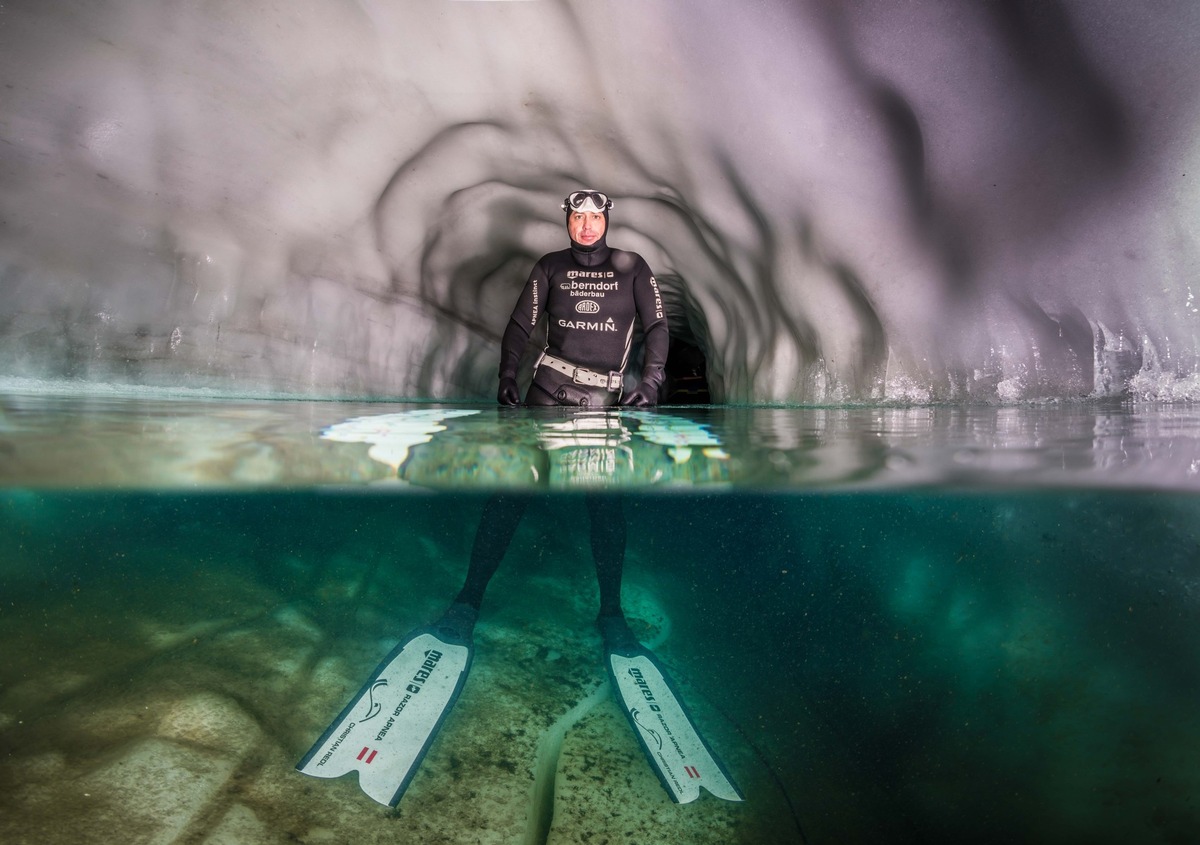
(591, 295)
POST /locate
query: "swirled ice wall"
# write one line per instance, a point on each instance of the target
(844, 201)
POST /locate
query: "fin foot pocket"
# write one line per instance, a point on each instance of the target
(458, 622)
(617, 635)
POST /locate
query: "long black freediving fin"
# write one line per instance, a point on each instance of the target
(680, 757)
(386, 730)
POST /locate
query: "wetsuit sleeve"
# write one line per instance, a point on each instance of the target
(530, 305)
(653, 315)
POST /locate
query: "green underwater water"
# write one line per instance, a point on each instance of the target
(916, 666)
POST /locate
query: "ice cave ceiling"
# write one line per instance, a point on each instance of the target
(844, 201)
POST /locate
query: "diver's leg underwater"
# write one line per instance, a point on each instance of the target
(387, 728)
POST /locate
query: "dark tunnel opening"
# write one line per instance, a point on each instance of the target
(686, 372)
(686, 380)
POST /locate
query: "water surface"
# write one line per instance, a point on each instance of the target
(895, 624)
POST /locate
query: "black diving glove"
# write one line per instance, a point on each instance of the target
(509, 393)
(642, 396)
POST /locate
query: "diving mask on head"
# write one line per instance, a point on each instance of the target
(587, 201)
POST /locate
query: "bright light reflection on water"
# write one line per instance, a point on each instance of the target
(154, 443)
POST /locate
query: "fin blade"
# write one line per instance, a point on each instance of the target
(678, 754)
(385, 730)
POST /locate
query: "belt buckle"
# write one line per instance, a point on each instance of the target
(614, 381)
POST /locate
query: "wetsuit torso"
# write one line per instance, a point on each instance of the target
(591, 300)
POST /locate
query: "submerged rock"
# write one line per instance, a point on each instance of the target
(152, 792)
(240, 826)
(213, 721)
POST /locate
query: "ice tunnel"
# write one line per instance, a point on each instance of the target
(867, 201)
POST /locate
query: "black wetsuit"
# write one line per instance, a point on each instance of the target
(591, 297)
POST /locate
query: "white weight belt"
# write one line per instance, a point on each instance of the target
(582, 375)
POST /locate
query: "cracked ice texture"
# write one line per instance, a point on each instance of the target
(928, 200)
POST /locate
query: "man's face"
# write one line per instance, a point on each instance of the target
(586, 227)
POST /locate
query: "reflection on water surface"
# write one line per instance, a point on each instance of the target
(96, 443)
